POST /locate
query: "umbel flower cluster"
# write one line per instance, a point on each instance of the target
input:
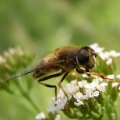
(86, 99)
(13, 60)
(89, 97)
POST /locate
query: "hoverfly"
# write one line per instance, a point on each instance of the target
(63, 61)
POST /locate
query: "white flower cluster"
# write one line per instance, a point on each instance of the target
(40, 116)
(114, 84)
(8, 54)
(13, 51)
(79, 91)
(106, 56)
(2, 60)
(58, 117)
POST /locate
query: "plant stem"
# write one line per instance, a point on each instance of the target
(30, 101)
(26, 95)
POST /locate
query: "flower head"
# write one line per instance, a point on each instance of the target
(80, 92)
(115, 84)
(57, 117)
(105, 55)
(40, 116)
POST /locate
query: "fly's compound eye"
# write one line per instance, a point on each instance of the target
(82, 57)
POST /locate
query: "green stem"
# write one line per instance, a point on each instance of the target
(110, 108)
(26, 95)
(30, 101)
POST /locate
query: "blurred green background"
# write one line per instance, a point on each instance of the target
(40, 26)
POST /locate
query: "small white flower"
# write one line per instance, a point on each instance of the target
(57, 104)
(51, 108)
(118, 76)
(60, 94)
(78, 96)
(96, 47)
(94, 84)
(71, 88)
(88, 86)
(11, 51)
(119, 88)
(40, 116)
(90, 94)
(85, 76)
(99, 50)
(104, 55)
(57, 117)
(100, 79)
(82, 83)
(113, 53)
(74, 82)
(109, 61)
(95, 94)
(60, 103)
(2, 60)
(113, 116)
(115, 84)
(110, 76)
(6, 54)
(102, 86)
(79, 103)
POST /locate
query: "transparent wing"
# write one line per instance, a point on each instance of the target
(31, 69)
(19, 74)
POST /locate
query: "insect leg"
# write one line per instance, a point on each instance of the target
(51, 86)
(59, 83)
(99, 75)
(83, 71)
(51, 76)
(80, 71)
(93, 73)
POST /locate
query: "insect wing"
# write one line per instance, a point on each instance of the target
(31, 69)
(19, 74)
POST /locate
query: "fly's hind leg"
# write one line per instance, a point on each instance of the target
(50, 86)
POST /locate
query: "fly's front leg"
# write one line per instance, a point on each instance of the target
(93, 73)
(50, 86)
(80, 71)
(99, 75)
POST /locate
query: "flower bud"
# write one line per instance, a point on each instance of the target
(93, 105)
(114, 93)
(100, 99)
(84, 109)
